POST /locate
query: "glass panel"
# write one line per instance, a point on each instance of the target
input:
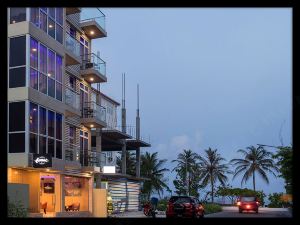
(16, 142)
(17, 15)
(51, 12)
(58, 126)
(58, 68)
(43, 59)
(71, 134)
(44, 9)
(51, 28)
(17, 77)
(58, 149)
(17, 116)
(43, 83)
(17, 50)
(33, 53)
(51, 64)
(51, 146)
(43, 121)
(43, 21)
(33, 117)
(51, 87)
(33, 78)
(51, 120)
(43, 145)
(59, 15)
(72, 82)
(72, 32)
(34, 16)
(33, 143)
(58, 91)
(59, 34)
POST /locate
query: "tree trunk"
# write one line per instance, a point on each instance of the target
(254, 180)
(212, 189)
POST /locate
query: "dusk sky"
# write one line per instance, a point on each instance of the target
(209, 77)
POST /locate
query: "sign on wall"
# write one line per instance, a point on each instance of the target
(42, 160)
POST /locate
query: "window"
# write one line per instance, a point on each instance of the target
(51, 28)
(33, 117)
(59, 77)
(51, 146)
(72, 32)
(59, 15)
(35, 16)
(17, 116)
(58, 126)
(34, 79)
(33, 53)
(72, 131)
(51, 64)
(43, 145)
(17, 51)
(58, 91)
(51, 121)
(51, 12)
(43, 121)
(17, 15)
(72, 81)
(43, 21)
(51, 87)
(58, 149)
(43, 59)
(33, 143)
(17, 142)
(43, 83)
(84, 48)
(17, 77)
(59, 33)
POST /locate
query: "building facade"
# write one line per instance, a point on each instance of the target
(58, 120)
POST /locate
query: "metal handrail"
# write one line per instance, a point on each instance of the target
(99, 19)
(72, 98)
(93, 61)
(72, 44)
(72, 152)
(92, 109)
(90, 157)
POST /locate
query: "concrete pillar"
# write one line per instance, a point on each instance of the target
(124, 157)
(138, 162)
(98, 149)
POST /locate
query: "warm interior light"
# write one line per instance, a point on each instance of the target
(47, 170)
(92, 32)
(34, 109)
(13, 21)
(49, 74)
(34, 49)
(50, 25)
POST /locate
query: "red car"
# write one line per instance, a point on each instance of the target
(248, 203)
(184, 206)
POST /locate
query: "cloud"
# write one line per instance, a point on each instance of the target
(180, 142)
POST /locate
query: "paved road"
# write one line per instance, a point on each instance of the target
(229, 212)
(262, 212)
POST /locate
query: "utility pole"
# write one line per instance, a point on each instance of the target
(137, 134)
(123, 125)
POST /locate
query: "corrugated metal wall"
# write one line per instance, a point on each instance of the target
(125, 190)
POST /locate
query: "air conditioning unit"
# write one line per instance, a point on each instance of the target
(89, 65)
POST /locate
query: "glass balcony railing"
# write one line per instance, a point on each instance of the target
(86, 16)
(94, 62)
(90, 157)
(72, 45)
(72, 153)
(72, 98)
(93, 110)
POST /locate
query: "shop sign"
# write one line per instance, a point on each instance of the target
(42, 160)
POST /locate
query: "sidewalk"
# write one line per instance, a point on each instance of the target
(136, 214)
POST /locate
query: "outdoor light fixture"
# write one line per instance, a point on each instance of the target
(92, 125)
(13, 21)
(92, 32)
(91, 79)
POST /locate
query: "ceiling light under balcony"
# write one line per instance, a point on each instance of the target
(92, 125)
(92, 32)
(91, 79)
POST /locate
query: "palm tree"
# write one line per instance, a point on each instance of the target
(130, 162)
(212, 170)
(152, 168)
(186, 167)
(254, 160)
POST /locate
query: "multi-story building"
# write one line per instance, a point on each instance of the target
(58, 120)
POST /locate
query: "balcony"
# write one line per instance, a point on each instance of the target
(72, 100)
(94, 27)
(93, 115)
(72, 153)
(72, 51)
(93, 69)
(90, 160)
(72, 10)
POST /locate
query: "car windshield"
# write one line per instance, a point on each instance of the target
(247, 199)
(183, 200)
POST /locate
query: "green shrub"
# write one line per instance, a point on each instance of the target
(162, 204)
(212, 208)
(16, 209)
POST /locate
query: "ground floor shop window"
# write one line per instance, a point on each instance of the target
(76, 193)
